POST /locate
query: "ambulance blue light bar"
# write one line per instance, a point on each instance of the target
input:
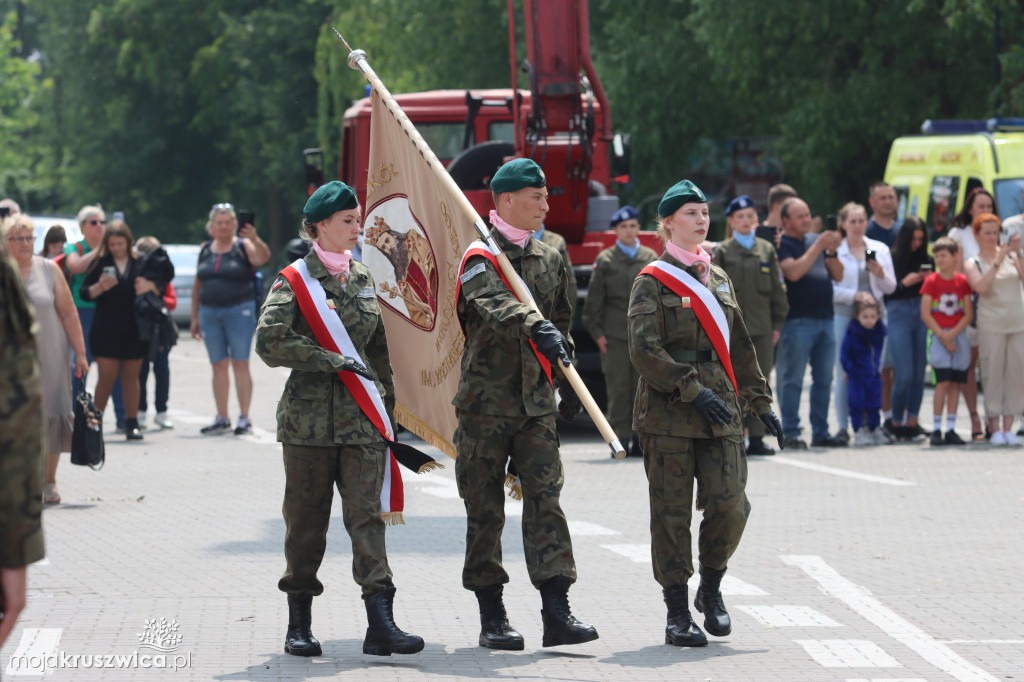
(960, 127)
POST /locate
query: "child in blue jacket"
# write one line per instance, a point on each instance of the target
(861, 357)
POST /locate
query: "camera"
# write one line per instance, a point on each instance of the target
(869, 255)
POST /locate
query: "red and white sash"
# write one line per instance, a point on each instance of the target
(479, 248)
(703, 302)
(330, 333)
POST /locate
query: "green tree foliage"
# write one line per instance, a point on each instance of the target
(18, 84)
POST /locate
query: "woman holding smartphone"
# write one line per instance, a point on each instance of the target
(113, 281)
(908, 334)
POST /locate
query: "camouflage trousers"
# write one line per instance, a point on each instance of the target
(765, 353)
(485, 443)
(720, 468)
(311, 472)
(620, 380)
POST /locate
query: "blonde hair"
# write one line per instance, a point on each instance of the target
(147, 244)
(848, 208)
(17, 221)
(217, 210)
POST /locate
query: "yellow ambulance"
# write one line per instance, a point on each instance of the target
(934, 171)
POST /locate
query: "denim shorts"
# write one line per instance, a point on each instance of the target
(950, 366)
(227, 331)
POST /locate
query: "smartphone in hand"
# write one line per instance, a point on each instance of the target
(246, 218)
(869, 255)
(927, 267)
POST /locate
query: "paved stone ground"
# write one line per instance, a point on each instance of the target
(891, 563)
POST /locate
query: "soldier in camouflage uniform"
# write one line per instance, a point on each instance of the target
(558, 243)
(753, 268)
(604, 316)
(505, 406)
(21, 445)
(327, 439)
(688, 416)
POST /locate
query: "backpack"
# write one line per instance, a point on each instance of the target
(60, 261)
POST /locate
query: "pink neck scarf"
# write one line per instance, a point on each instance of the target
(513, 234)
(336, 263)
(688, 258)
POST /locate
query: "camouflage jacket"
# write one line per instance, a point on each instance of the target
(500, 373)
(759, 288)
(604, 312)
(660, 329)
(21, 426)
(316, 408)
(558, 243)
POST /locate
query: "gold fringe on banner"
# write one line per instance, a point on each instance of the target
(430, 466)
(515, 491)
(393, 518)
(423, 430)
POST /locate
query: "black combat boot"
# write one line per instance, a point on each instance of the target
(709, 602)
(681, 630)
(383, 637)
(300, 640)
(560, 627)
(634, 446)
(131, 429)
(495, 630)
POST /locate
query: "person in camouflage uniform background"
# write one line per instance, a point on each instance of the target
(687, 413)
(327, 440)
(558, 243)
(505, 407)
(21, 445)
(753, 269)
(604, 316)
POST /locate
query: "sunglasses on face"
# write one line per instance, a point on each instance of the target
(96, 221)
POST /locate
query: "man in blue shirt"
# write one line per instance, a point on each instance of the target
(809, 264)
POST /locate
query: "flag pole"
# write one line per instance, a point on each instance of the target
(357, 61)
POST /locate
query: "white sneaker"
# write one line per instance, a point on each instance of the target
(863, 438)
(1011, 440)
(998, 438)
(879, 438)
(142, 421)
(163, 421)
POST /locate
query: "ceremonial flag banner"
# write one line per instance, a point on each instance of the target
(413, 238)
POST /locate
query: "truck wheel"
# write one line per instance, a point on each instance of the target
(473, 168)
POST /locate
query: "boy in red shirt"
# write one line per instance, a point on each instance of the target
(947, 310)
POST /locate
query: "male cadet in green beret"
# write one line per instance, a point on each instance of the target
(753, 267)
(505, 405)
(21, 446)
(604, 316)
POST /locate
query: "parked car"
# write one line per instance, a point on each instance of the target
(184, 257)
(43, 223)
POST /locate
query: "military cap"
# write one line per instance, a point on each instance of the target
(738, 204)
(329, 199)
(624, 213)
(683, 192)
(517, 174)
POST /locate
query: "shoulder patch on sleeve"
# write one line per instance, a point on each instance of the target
(278, 284)
(473, 272)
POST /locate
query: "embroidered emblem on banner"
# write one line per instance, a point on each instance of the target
(402, 261)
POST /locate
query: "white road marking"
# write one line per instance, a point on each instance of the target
(640, 554)
(981, 641)
(894, 625)
(731, 585)
(35, 645)
(848, 653)
(789, 616)
(586, 528)
(888, 679)
(45, 561)
(838, 472)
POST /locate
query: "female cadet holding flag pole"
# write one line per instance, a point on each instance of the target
(333, 419)
(696, 361)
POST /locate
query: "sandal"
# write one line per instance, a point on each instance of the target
(50, 494)
(976, 432)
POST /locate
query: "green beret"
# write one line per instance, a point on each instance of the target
(680, 193)
(333, 197)
(517, 174)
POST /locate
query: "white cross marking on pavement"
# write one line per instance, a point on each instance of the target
(838, 472)
(890, 622)
(789, 616)
(35, 645)
(848, 653)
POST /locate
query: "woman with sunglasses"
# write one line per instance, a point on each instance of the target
(224, 310)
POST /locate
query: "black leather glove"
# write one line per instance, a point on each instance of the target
(550, 342)
(712, 407)
(570, 406)
(356, 367)
(771, 422)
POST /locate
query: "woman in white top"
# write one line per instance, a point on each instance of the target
(977, 202)
(868, 275)
(995, 273)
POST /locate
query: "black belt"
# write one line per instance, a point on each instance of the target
(701, 355)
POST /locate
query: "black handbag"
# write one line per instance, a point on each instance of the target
(87, 447)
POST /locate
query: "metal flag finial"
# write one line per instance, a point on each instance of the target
(343, 42)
